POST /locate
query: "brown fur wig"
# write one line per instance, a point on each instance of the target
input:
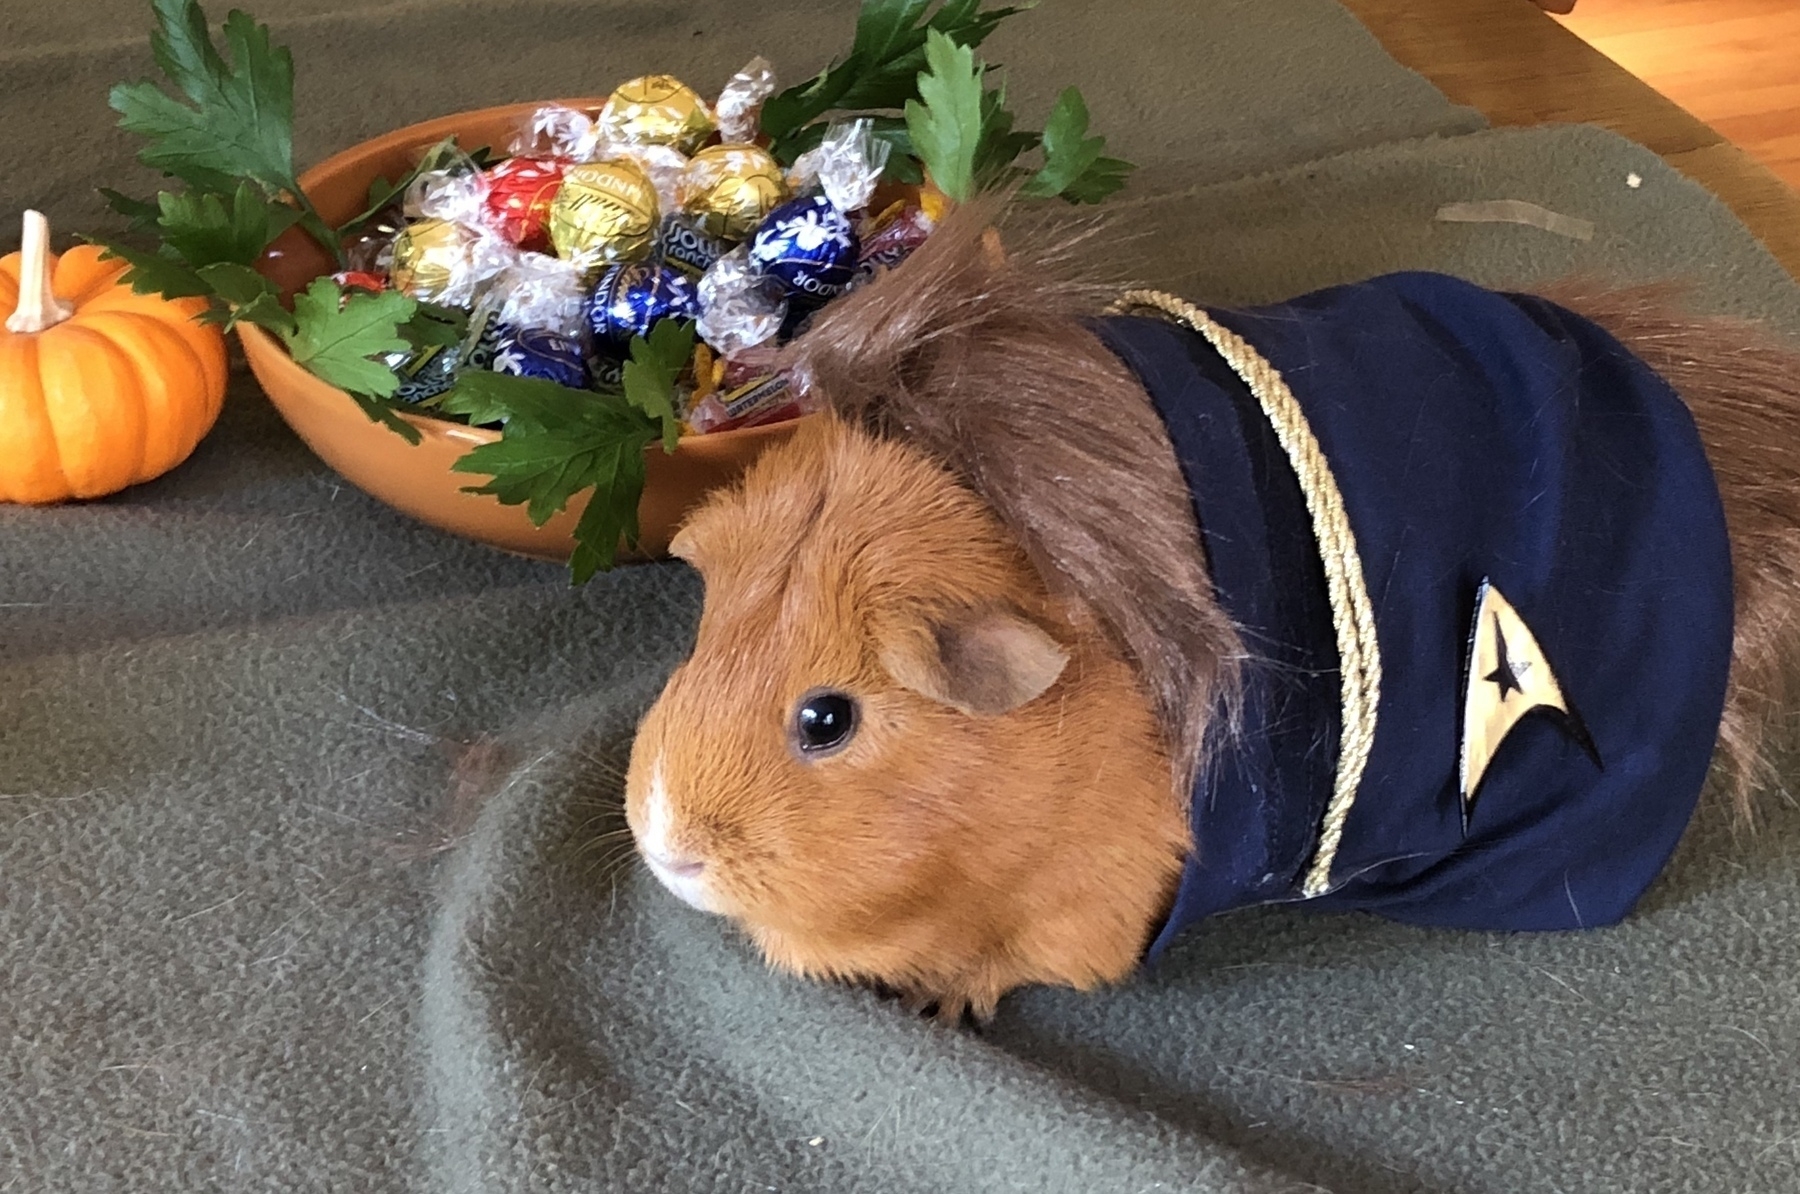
(986, 365)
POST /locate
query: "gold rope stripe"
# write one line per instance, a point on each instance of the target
(1353, 619)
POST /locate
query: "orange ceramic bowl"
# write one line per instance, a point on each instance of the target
(417, 479)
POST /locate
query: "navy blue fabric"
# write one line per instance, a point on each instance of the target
(1473, 435)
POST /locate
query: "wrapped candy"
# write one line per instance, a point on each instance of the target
(440, 261)
(359, 280)
(448, 252)
(424, 374)
(739, 108)
(892, 236)
(737, 307)
(538, 352)
(373, 242)
(766, 400)
(683, 246)
(663, 166)
(606, 368)
(629, 298)
(606, 212)
(809, 247)
(432, 371)
(559, 132)
(517, 204)
(456, 190)
(540, 292)
(656, 110)
(809, 244)
(728, 190)
(482, 343)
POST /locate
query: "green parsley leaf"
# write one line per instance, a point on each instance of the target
(882, 69)
(202, 230)
(651, 372)
(337, 335)
(251, 298)
(557, 442)
(154, 273)
(611, 514)
(1073, 165)
(143, 213)
(946, 127)
(239, 120)
(434, 325)
(1000, 146)
(1103, 178)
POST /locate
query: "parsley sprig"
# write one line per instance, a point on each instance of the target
(557, 443)
(964, 134)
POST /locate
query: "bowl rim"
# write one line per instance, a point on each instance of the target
(423, 131)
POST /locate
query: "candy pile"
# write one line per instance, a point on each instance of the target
(658, 207)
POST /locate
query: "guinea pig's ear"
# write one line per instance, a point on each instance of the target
(982, 661)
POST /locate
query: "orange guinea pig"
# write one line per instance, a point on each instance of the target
(1056, 634)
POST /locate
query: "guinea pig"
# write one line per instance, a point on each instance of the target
(1059, 632)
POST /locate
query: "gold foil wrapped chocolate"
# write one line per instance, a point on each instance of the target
(431, 259)
(728, 189)
(657, 110)
(605, 213)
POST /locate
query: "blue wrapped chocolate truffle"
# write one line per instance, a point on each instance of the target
(629, 298)
(535, 352)
(809, 246)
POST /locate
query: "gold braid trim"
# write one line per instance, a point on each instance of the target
(1352, 617)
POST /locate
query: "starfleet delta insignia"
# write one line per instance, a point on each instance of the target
(1479, 557)
(1508, 677)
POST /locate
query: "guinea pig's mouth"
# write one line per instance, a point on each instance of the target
(684, 877)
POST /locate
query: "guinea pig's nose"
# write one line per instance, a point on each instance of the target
(681, 868)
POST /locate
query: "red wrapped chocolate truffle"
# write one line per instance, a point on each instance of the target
(520, 191)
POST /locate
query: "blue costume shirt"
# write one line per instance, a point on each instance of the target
(1475, 437)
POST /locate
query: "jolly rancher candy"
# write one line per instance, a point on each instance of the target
(656, 110)
(684, 247)
(629, 298)
(604, 213)
(765, 400)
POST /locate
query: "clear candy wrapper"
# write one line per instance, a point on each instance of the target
(540, 292)
(663, 165)
(850, 163)
(737, 311)
(556, 131)
(739, 110)
(442, 261)
(457, 191)
(847, 164)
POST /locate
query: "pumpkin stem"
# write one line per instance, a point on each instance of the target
(39, 308)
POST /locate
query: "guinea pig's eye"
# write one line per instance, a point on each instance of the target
(823, 722)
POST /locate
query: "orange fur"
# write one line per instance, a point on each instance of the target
(950, 856)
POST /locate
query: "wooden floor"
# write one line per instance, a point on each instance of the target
(1516, 65)
(1733, 63)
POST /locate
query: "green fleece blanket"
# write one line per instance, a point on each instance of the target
(306, 880)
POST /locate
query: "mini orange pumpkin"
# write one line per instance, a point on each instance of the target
(103, 390)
